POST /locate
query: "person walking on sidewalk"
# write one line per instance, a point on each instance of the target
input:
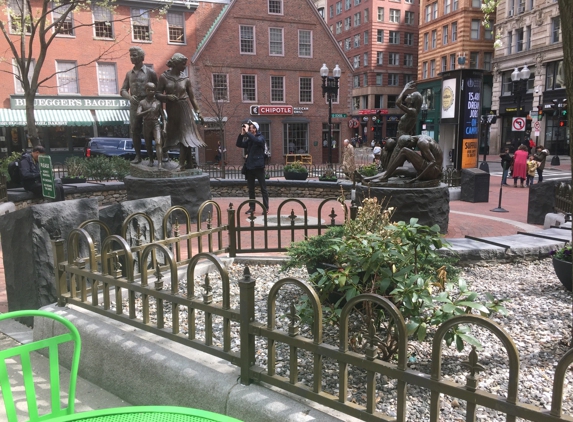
(540, 156)
(253, 142)
(531, 167)
(520, 165)
(505, 165)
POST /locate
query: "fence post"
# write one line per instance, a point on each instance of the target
(247, 304)
(232, 231)
(61, 284)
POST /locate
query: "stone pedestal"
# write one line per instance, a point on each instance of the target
(27, 249)
(475, 185)
(187, 191)
(429, 205)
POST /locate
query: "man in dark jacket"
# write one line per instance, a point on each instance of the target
(30, 173)
(253, 143)
(540, 156)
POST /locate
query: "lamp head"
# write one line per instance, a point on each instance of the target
(525, 72)
(324, 70)
(336, 71)
(515, 75)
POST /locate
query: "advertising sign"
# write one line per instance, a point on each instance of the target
(260, 110)
(449, 99)
(47, 177)
(470, 121)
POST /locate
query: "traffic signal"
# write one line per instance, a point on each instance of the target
(372, 129)
(378, 117)
(563, 115)
(540, 112)
(555, 107)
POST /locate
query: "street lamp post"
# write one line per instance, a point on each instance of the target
(330, 89)
(519, 85)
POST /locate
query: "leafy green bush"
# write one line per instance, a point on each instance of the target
(121, 168)
(7, 160)
(295, 167)
(315, 250)
(100, 169)
(76, 166)
(368, 170)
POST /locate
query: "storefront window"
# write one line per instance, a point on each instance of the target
(55, 138)
(80, 137)
(295, 138)
(113, 131)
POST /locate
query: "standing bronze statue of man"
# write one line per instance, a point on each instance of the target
(133, 89)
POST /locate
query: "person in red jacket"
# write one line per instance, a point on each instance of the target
(520, 165)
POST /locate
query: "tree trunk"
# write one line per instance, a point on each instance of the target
(32, 130)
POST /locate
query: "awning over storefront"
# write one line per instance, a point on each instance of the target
(9, 117)
(112, 117)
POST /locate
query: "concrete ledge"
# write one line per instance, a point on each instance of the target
(144, 369)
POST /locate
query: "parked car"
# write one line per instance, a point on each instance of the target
(118, 147)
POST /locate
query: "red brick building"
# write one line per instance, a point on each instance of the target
(84, 101)
(261, 60)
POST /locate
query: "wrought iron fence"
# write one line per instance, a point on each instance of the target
(563, 198)
(96, 281)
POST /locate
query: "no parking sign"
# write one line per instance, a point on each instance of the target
(518, 124)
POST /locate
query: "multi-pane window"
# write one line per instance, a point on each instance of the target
(247, 39)
(277, 89)
(357, 2)
(102, 22)
(444, 64)
(338, 8)
(379, 57)
(394, 15)
(528, 37)
(176, 28)
(445, 35)
(426, 41)
(487, 59)
(447, 6)
(434, 38)
(409, 1)
(476, 3)
(380, 14)
(380, 35)
(338, 27)
(474, 31)
(357, 40)
(19, 8)
(304, 43)
(66, 24)
(107, 78)
(521, 6)
(452, 61)
(331, 12)
(276, 41)
(357, 19)
(488, 31)
(347, 23)
(392, 101)
(509, 42)
(394, 37)
(408, 60)
(408, 78)
(67, 77)
(356, 81)
(425, 70)
(435, 10)
(305, 90)
(18, 86)
(555, 76)
(379, 79)
(220, 87)
(295, 136)
(455, 5)
(140, 26)
(454, 31)
(365, 60)
(366, 37)
(275, 7)
(356, 62)
(427, 14)
(409, 18)
(474, 60)
(347, 4)
(347, 44)
(394, 59)
(409, 38)
(393, 79)
(432, 68)
(366, 16)
(519, 39)
(249, 88)
(556, 29)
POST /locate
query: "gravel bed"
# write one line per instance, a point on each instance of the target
(539, 322)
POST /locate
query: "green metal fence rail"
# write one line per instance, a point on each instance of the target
(563, 198)
(103, 284)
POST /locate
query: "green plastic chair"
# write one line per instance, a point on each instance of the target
(24, 353)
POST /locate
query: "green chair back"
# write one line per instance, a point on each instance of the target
(23, 352)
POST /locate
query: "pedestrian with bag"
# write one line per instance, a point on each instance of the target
(253, 143)
(540, 156)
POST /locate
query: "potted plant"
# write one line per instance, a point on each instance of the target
(562, 265)
(368, 170)
(295, 171)
(75, 170)
(328, 176)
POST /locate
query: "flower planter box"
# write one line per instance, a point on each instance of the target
(563, 272)
(295, 175)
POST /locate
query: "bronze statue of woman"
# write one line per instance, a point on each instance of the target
(174, 89)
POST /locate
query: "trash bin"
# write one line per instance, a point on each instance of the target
(475, 185)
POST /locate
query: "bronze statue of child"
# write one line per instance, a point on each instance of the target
(152, 109)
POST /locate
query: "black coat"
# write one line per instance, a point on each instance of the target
(29, 170)
(254, 146)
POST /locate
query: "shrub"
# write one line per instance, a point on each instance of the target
(7, 160)
(76, 167)
(121, 168)
(100, 169)
(295, 167)
(368, 170)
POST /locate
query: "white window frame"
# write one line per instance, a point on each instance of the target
(61, 78)
(275, 43)
(447, 6)
(273, 90)
(425, 70)
(393, 59)
(454, 31)
(445, 35)
(220, 89)
(338, 7)
(393, 79)
(365, 60)
(112, 68)
(432, 68)
(474, 29)
(394, 37)
(301, 44)
(556, 34)
(356, 62)
(379, 58)
(300, 89)
(366, 39)
(395, 15)
(347, 23)
(408, 38)
(434, 39)
(142, 14)
(380, 15)
(18, 6)
(175, 16)
(18, 88)
(98, 17)
(356, 42)
(409, 17)
(339, 27)
(275, 3)
(243, 88)
(69, 19)
(252, 40)
(408, 60)
(347, 44)
(380, 36)
(379, 79)
(357, 17)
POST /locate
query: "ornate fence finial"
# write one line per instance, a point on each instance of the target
(207, 290)
(294, 325)
(159, 278)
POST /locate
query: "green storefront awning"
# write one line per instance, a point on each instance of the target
(9, 117)
(112, 117)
